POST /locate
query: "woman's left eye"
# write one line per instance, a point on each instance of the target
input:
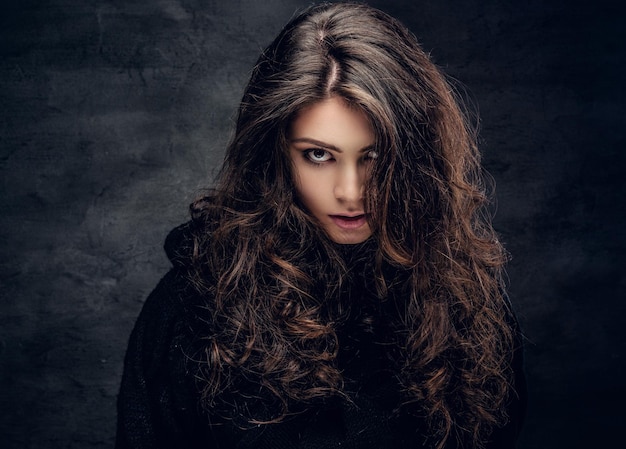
(317, 155)
(371, 154)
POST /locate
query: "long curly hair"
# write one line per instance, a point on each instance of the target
(274, 278)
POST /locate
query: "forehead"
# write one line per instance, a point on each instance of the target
(333, 121)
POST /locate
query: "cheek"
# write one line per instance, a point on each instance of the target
(306, 187)
(312, 188)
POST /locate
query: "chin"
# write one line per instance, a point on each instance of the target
(350, 239)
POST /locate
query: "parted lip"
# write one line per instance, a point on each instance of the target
(349, 221)
(349, 216)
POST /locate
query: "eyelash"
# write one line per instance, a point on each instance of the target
(369, 155)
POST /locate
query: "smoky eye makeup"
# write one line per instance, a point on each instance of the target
(317, 155)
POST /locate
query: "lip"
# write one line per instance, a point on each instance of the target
(349, 222)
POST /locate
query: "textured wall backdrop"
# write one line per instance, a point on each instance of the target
(113, 113)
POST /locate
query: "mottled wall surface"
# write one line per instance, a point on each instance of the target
(114, 113)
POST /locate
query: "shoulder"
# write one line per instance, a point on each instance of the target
(179, 244)
(165, 304)
(161, 322)
(173, 306)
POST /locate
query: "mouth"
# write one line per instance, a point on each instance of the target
(349, 221)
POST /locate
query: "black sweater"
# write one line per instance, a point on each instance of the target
(159, 403)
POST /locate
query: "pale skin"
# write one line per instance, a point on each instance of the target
(331, 146)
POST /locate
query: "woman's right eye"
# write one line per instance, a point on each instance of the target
(318, 155)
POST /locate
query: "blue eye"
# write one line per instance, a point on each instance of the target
(318, 155)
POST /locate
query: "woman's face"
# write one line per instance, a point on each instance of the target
(331, 148)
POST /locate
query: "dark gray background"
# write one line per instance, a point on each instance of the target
(114, 113)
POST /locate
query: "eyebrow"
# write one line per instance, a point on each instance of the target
(328, 146)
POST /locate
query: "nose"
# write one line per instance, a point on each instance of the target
(349, 186)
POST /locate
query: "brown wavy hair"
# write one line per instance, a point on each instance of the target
(274, 277)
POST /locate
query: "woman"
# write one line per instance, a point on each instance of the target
(341, 285)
